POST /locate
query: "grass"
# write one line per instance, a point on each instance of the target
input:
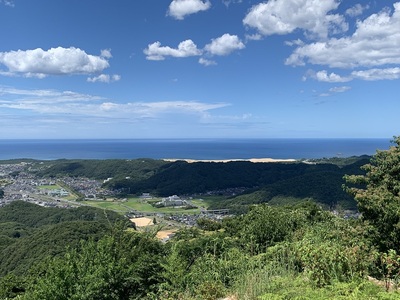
(140, 205)
(49, 187)
(279, 284)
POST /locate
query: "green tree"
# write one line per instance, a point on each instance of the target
(1, 194)
(125, 265)
(377, 193)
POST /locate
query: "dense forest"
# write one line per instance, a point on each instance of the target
(297, 251)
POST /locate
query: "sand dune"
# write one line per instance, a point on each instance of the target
(254, 160)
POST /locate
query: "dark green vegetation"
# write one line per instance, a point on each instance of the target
(257, 183)
(137, 169)
(287, 252)
(29, 233)
(297, 251)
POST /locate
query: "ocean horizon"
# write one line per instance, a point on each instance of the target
(198, 149)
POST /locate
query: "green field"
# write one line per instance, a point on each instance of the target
(140, 205)
(72, 196)
(49, 187)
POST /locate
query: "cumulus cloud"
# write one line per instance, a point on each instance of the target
(179, 9)
(104, 78)
(185, 49)
(224, 45)
(285, 16)
(356, 10)
(55, 61)
(324, 76)
(375, 42)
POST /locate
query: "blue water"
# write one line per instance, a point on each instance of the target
(189, 148)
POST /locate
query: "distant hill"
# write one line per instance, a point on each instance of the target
(137, 169)
(320, 181)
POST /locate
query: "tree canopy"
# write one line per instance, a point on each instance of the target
(378, 195)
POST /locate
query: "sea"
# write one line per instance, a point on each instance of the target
(198, 149)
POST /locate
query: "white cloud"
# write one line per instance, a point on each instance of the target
(285, 16)
(339, 89)
(229, 2)
(374, 43)
(104, 78)
(179, 9)
(356, 10)
(206, 62)
(377, 74)
(55, 61)
(253, 37)
(52, 102)
(13, 95)
(185, 49)
(368, 74)
(297, 42)
(106, 53)
(224, 45)
(324, 76)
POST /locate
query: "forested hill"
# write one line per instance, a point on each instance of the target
(137, 169)
(29, 233)
(320, 181)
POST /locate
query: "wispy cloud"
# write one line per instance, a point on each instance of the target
(339, 89)
(66, 102)
(7, 3)
(334, 90)
(356, 10)
(366, 74)
(207, 62)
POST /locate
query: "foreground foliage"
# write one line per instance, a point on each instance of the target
(273, 252)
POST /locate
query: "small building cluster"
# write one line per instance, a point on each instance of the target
(173, 200)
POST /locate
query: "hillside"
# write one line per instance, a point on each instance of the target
(29, 233)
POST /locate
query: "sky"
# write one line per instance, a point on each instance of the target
(82, 69)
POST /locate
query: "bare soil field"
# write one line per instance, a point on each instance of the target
(142, 222)
(165, 233)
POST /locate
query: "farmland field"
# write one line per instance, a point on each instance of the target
(140, 205)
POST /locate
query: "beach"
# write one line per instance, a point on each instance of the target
(253, 160)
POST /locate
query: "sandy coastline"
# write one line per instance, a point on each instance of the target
(253, 160)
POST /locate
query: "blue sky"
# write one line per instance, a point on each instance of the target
(199, 68)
